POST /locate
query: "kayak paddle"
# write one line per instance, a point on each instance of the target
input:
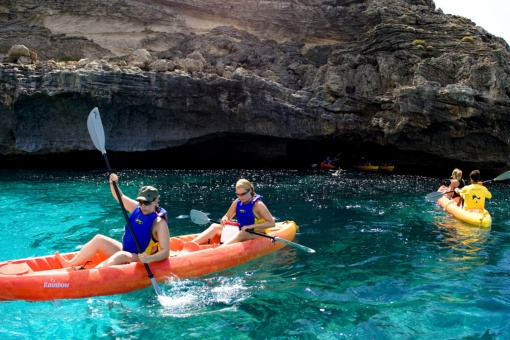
(96, 132)
(502, 177)
(201, 218)
(282, 240)
(434, 196)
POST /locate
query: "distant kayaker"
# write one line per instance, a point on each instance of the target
(328, 161)
(150, 223)
(474, 195)
(250, 212)
(456, 182)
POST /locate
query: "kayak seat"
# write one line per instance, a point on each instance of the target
(176, 244)
(15, 269)
(190, 247)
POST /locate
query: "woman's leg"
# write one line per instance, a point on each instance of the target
(104, 244)
(119, 257)
(209, 233)
(239, 237)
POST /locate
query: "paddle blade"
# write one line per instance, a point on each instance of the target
(198, 217)
(96, 130)
(503, 176)
(434, 196)
(295, 245)
(157, 289)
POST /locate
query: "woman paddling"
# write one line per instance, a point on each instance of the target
(250, 211)
(150, 224)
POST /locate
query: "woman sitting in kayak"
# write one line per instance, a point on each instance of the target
(150, 224)
(250, 211)
(456, 181)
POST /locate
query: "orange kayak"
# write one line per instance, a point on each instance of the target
(474, 217)
(43, 278)
(328, 166)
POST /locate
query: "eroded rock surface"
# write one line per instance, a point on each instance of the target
(393, 78)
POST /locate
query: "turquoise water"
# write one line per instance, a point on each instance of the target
(389, 265)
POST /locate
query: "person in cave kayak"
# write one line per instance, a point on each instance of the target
(456, 182)
(150, 223)
(474, 195)
(250, 212)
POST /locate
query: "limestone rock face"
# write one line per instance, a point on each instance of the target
(286, 79)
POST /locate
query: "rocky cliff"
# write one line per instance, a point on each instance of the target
(254, 82)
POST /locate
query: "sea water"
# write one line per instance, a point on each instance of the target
(388, 264)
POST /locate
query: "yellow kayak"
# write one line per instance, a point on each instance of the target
(386, 168)
(474, 216)
(366, 167)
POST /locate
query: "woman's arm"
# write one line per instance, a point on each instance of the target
(163, 236)
(261, 211)
(129, 204)
(231, 212)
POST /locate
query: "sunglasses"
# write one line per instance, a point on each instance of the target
(244, 193)
(146, 203)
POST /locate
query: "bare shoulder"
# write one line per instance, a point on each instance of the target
(160, 222)
(160, 228)
(260, 205)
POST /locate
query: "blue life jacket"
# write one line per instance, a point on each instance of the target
(142, 226)
(244, 212)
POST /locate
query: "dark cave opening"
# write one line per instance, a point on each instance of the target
(246, 152)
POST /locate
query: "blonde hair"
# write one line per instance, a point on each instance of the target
(245, 184)
(457, 174)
